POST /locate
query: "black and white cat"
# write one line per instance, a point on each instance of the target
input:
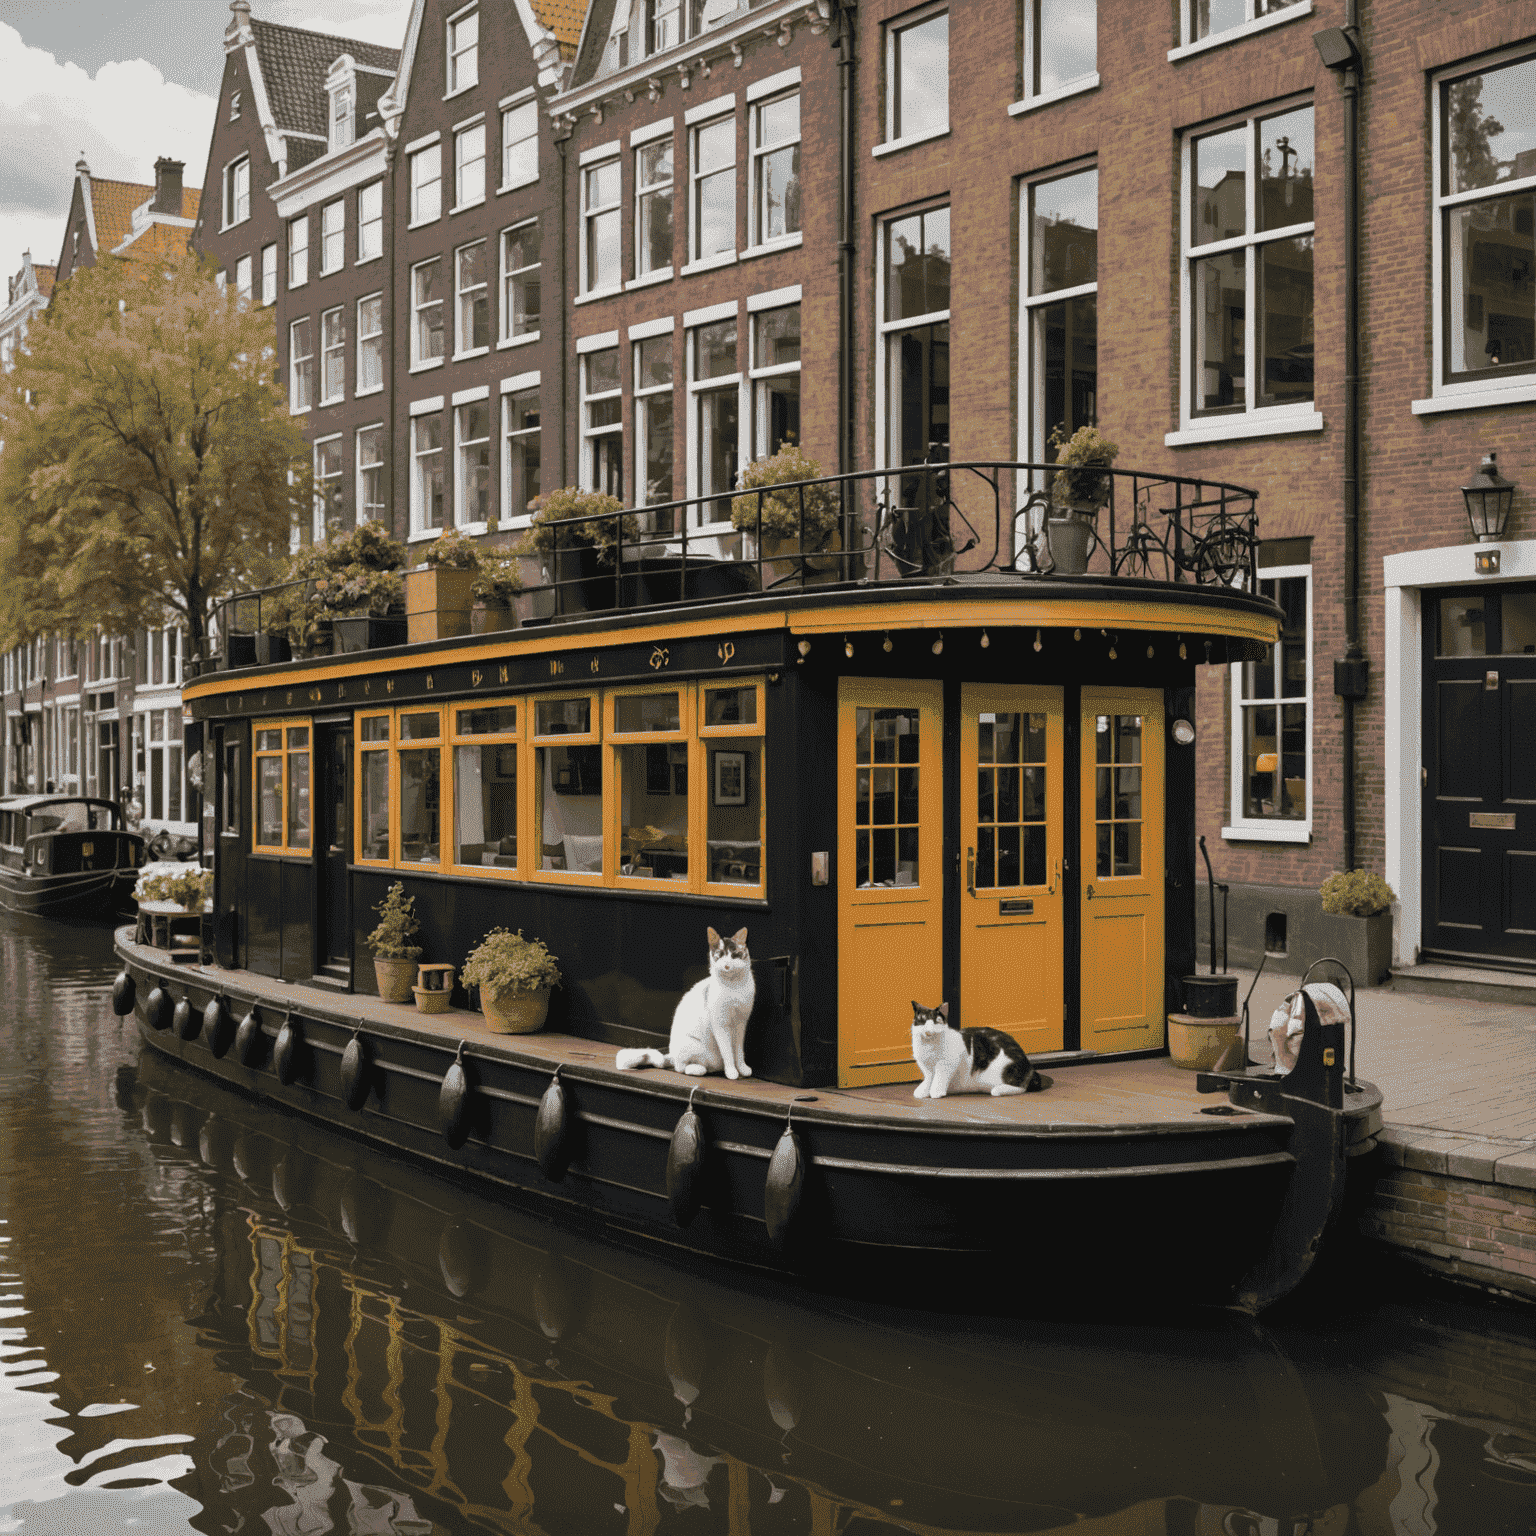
(955, 1060)
(710, 1024)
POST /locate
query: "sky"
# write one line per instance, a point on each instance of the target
(124, 81)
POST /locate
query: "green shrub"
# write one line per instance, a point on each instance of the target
(1359, 893)
(781, 509)
(504, 964)
(497, 578)
(391, 940)
(553, 508)
(453, 551)
(1078, 483)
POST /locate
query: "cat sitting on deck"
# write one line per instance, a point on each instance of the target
(710, 1024)
(955, 1060)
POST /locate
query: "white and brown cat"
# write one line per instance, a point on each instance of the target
(955, 1060)
(710, 1024)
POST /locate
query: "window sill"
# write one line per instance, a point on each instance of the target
(328, 271)
(473, 528)
(1229, 429)
(422, 535)
(517, 186)
(709, 263)
(1050, 98)
(363, 261)
(598, 293)
(373, 389)
(300, 410)
(436, 362)
(768, 247)
(333, 400)
(478, 202)
(525, 340)
(895, 146)
(1278, 832)
(1237, 34)
(1475, 400)
(650, 279)
(464, 357)
(462, 90)
(294, 287)
(422, 223)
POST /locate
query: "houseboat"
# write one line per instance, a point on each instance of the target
(908, 780)
(66, 854)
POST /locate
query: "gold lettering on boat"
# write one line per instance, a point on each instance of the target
(660, 656)
(725, 651)
(594, 663)
(476, 677)
(556, 667)
(389, 685)
(314, 695)
(429, 680)
(505, 676)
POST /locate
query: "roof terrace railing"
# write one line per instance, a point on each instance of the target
(870, 526)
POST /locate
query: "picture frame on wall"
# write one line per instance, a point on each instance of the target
(658, 772)
(729, 773)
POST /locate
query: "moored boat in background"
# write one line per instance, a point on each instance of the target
(66, 854)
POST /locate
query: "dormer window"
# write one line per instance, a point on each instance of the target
(464, 50)
(343, 99)
(234, 106)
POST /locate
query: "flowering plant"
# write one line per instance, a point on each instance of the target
(781, 510)
(453, 550)
(570, 516)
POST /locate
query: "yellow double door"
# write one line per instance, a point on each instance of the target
(1008, 876)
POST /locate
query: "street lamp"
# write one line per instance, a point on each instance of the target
(1489, 497)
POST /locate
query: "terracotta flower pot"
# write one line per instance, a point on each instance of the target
(518, 1013)
(395, 978)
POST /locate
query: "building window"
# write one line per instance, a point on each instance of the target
(243, 279)
(663, 25)
(237, 192)
(1061, 46)
(1059, 326)
(333, 369)
(776, 168)
(342, 132)
(469, 166)
(713, 204)
(371, 506)
(1211, 18)
(1271, 719)
(281, 771)
(472, 450)
(370, 221)
(1248, 265)
(427, 481)
(234, 106)
(917, 77)
(269, 274)
(520, 294)
(715, 417)
(159, 741)
(464, 50)
(914, 324)
(370, 344)
(520, 144)
(654, 479)
(473, 333)
(603, 422)
(653, 206)
(328, 472)
(1485, 227)
(301, 365)
(298, 251)
(520, 482)
(427, 184)
(600, 189)
(775, 379)
(427, 313)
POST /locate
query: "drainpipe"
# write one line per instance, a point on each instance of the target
(562, 140)
(845, 372)
(1339, 49)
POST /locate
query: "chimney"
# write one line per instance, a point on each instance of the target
(168, 187)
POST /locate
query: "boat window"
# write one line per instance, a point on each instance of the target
(419, 725)
(563, 717)
(282, 784)
(373, 743)
(1117, 794)
(568, 788)
(888, 766)
(730, 728)
(646, 712)
(651, 766)
(485, 787)
(730, 706)
(420, 780)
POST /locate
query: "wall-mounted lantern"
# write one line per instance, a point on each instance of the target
(1489, 497)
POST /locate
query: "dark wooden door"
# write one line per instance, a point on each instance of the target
(1480, 775)
(333, 845)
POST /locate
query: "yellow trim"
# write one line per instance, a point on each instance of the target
(282, 724)
(457, 739)
(359, 747)
(399, 745)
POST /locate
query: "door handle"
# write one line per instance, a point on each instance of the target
(1089, 893)
(970, 871)
(1050, 890)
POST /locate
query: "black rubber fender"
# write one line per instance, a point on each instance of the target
(685, 1166)
(157, 1009)
(783, 1189)
(124, 991)
(454, 1102)
(249, 1040)
(218, 1027)
(356, 1072)
(186, 1020)
(551, 1131)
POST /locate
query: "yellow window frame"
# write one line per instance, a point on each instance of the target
(402, 744)
(362, 749)
(708, 734)
(533, 840)
(516, 740)
(283, 752)
(614, 828)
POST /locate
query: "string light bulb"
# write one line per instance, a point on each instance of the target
(1077, 634)
(1113, 656)
(805, 649)
(1039, 646)
(847, 647)
(985, 642)
(938, 645)
(1183, 649)
(1150, 653)
(887, 646)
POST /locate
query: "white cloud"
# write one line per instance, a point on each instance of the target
(124, 118)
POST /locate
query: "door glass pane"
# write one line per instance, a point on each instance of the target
(1519, 623)
(269, 800)
(1463, 629)
(1117, 795)
(1011, 800)
(375, 805)
(298, 795)
(887, 796)
(485, 804)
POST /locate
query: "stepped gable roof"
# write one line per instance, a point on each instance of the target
(294, 65)
(564, 18)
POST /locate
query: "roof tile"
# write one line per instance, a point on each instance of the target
(294, 65)
(564, 18)
(45, 277)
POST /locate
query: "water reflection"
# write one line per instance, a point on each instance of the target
(217, 1319)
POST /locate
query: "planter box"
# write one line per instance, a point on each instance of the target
(663, 579)
(242, 648)
(437, 603)
(583, 583)
(1364, 944)
(491, 618)
(366, 632)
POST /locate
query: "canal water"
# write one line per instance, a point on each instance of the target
(217, 1320)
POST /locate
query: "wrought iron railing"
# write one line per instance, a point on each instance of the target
(871, 526)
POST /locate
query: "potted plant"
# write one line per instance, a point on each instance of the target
(365, 607)
(797, 520)
(514, 976)
(577, 534)
(1078, 489)
(345, 593)
(1356, 925)
(163, 898)
(394, 955)
(439, 592)
(496, 585)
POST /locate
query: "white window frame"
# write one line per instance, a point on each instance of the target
(642, 393)
(234, 106)
(893, 138)
(1255, 21)
(1241, 828)
(514, 116)
(724, 117)
(333, 350)
(511, 389)
(418, 309)
(243, 278)
(763, 374)
(296, 360)
(269, 274)
(640, 141)
(697, 388)
(370, 342)
(462, 60)
(591, 213)
(426, 184)
(370, 222)
(757, 155)
(1448, 393)
(464, 299)
(343, 122)
(298, 251)
(237, 191)
(333, 440)
(1029, 96)
(1254, 419)
(463, 447)
(419, 420)
(510, 336)
(373, 433)
(333, 236)
(468, 187)
(885, 329)
(586, 348)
